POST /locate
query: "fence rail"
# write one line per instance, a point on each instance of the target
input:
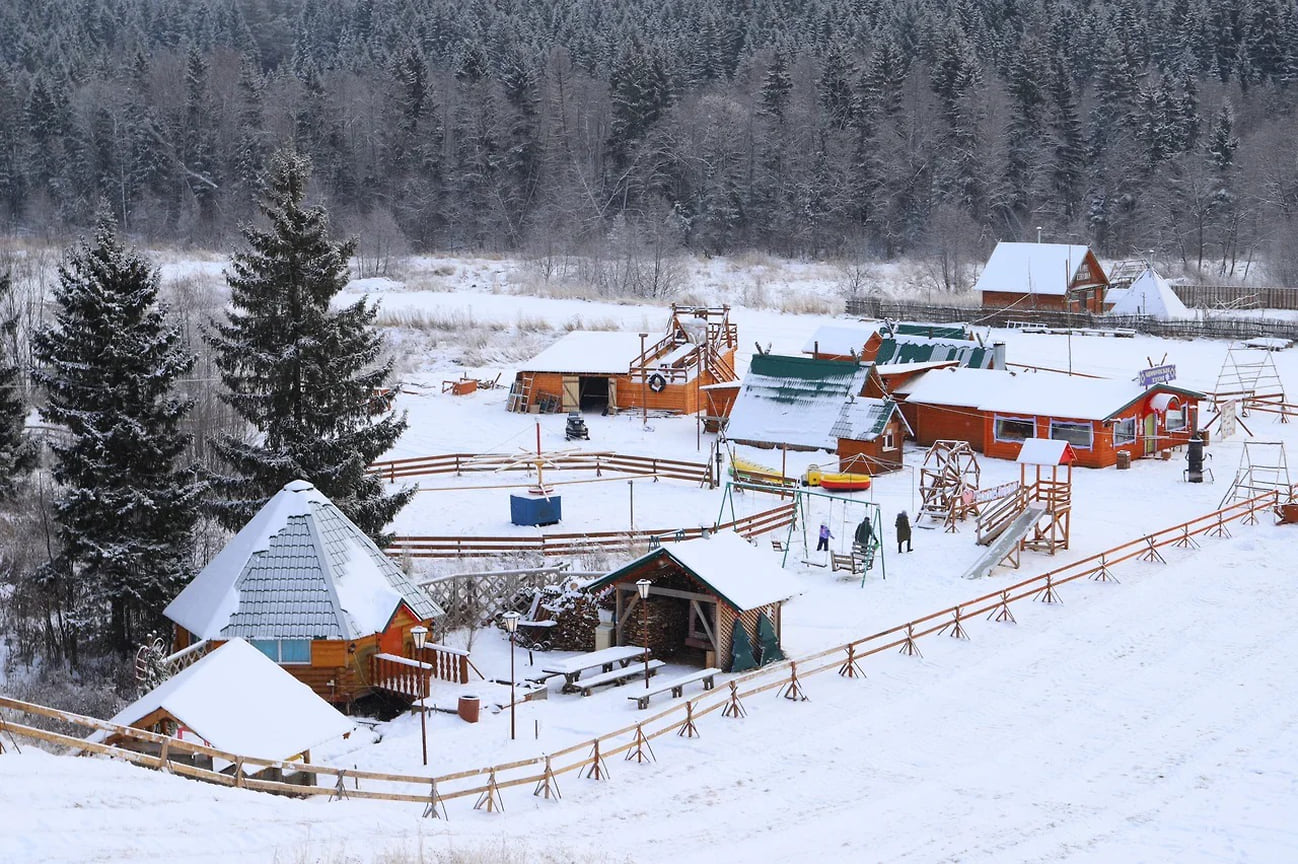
(551, 545)
(1210, 327)
(588, 757)
(459, 464)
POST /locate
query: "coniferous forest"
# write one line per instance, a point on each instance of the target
(850, 128)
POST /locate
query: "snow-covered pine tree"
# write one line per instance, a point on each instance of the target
(301, 374)
(17, 453)
(125, 509)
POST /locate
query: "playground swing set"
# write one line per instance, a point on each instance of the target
(813, 508)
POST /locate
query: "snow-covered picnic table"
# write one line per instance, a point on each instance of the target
(572, 667)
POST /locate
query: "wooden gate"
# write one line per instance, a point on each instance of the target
(571, 399)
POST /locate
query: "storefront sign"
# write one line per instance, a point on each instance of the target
(1157, 375)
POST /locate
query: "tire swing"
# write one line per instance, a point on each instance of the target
(657, 383)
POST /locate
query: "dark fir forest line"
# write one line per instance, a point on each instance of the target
(866, 129)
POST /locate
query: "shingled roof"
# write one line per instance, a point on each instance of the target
(793, 401)
(299, 569)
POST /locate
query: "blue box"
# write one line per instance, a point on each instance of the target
(535, 509)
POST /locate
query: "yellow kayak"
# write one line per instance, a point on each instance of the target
(751, 472)
(836, 481)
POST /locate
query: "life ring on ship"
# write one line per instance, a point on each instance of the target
(657, 383)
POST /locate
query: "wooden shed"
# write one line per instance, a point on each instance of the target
(308, 589)
(618, 371)
(698, 590)
(236, 700)
(997, 411)
(870, 434)
(1060, 277)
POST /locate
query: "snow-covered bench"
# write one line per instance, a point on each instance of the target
(616, 676)
(677, 686)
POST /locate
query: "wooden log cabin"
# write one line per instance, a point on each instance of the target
(1058, 277)
(997, 411)
(699, 589)
(617, 371)
(308, 589)
(800, 403)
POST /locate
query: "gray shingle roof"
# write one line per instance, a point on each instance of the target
(298, 570)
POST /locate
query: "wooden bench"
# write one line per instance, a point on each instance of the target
(677, 686)
(616, 676)
(777, 545)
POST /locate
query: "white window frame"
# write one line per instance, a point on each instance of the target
(1121, 437)
(999, 419)
(889, 442)
(1182, 418)
(1073, 424)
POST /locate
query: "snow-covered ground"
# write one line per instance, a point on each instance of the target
(1149, 719)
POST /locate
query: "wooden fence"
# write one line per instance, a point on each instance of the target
(599, 462)
(402, 675)
(588, 758)
(550, 545)
(1211, 327)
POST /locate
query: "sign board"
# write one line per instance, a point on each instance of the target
(1157, 375)
(1227, 411)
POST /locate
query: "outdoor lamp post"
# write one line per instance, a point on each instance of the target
(511, 624)
(419, 633)
(644, 376)
(642, 586)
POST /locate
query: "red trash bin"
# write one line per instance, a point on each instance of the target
(468, 708)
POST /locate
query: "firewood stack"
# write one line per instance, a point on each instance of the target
(577, 621)
(666, 627)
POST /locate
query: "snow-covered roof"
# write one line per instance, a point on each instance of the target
(734, 569)
(1046, 394)
(838, 340)
(1149, 294)
(299, 569)
(863, 419)
(1045, 451)
(793, 400)
(1031, 268)
(239, 701)
(593, 352)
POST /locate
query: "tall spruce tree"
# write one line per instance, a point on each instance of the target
(17, 453)
(125, 507)
(301, 374)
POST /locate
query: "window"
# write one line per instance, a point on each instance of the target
(284, 650)
(1176, 419)
(1124, 431)
(888, 442)
(1015, 428)
(1077, 434)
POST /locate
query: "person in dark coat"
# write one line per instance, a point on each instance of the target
(864, 534)
(903, 531)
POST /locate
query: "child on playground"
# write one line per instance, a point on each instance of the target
(823, 545)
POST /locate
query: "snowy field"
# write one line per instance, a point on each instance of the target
(1151, 719)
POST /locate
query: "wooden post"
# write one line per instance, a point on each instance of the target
(1104, 574)
(1186, 541)
(955, 626)
(1221, 530)
(489, 800)
(688, 729)
(909, 647)
(598, 770)
(548, 784)
(1152, 554)
(1048, 593)
(734, 708)
(793, 689)
(638, 753)
(1002, 612)
(435, 803)
(850, 669)
(340, 788)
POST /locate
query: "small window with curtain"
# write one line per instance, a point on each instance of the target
(1014, 428)
(1079, 435)
(1124, 431)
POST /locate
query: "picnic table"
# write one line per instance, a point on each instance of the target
(604, 659)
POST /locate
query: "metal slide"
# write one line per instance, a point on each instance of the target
(1005, 542)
